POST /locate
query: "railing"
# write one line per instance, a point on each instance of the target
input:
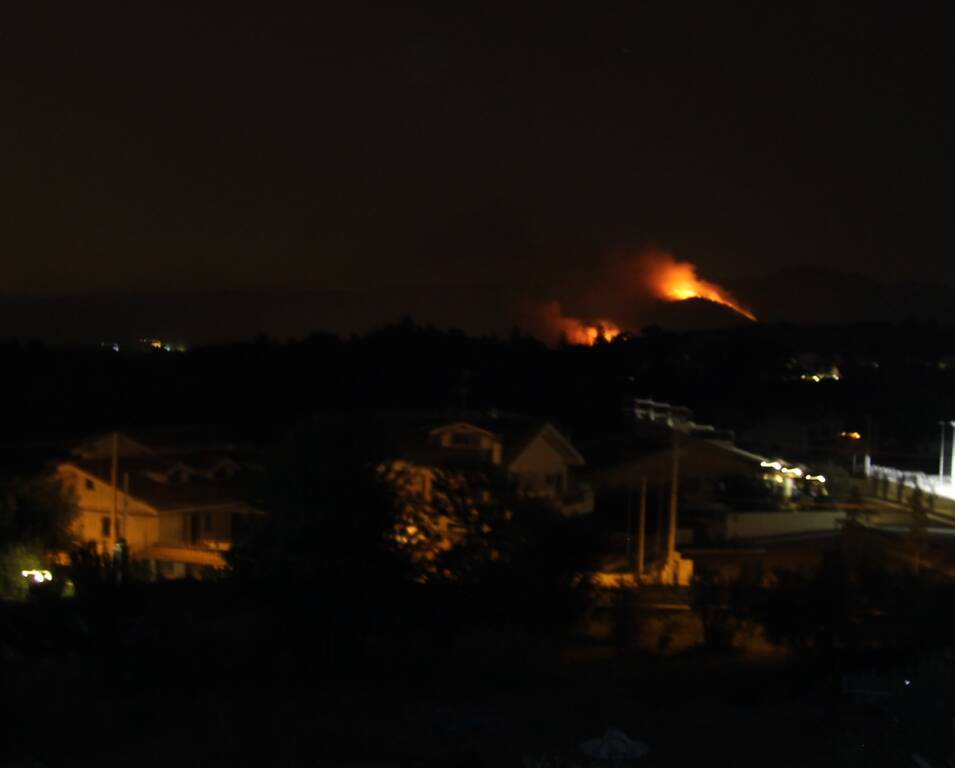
(934, 484)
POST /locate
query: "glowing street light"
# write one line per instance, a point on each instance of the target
(951, 467)
(38, 576)
(941, 452)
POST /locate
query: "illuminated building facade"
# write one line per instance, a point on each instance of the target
(177, 509)
(533, 458)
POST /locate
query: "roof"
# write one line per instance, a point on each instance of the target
(516, 433)
(191, 555)
(102, 447)
(175, 482)
(557, 440)
(698, 458)
(169, 441)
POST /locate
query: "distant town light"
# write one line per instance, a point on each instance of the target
(816, 478)
(163, 345)
(850, 435)
(832, 374)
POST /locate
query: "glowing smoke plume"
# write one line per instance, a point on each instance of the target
(624, 288)
(673, 280)
(576, 331)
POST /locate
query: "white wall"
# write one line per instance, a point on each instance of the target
(538, 460)
(751, 525)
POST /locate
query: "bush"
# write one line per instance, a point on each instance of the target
(35, 518)
(14, 559)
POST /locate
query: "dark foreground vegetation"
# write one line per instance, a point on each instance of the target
(362, 666)
(324, 645)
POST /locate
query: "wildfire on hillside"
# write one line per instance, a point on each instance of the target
(654, 274)
(673, 280)
(589, 333)
(577, 331)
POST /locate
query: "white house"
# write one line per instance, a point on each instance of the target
(535, 457)
(177, 510)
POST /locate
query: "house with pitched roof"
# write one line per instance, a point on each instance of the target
(177, 507)
(535, 458)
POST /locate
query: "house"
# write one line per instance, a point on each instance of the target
(177, 507)
(534, 458)
(711, 465)
(723, 492)
(459, 482)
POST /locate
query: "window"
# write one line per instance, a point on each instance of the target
(207, 522)
(89, 484)
(105, 527)
(237, 521)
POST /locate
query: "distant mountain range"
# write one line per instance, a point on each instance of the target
(804, 295)
(811, 295)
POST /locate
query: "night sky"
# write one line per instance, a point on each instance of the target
(149, 149)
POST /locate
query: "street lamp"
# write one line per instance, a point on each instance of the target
(951, 467)
(941, 452)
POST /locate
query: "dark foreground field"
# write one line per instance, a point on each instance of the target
(187, 674)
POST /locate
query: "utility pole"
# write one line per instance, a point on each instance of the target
(658, 536)
(629, 539)
(642, 530)
(674, 492)
(115, 479)
(126, 507)
(951, 467)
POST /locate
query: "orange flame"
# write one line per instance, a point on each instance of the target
(580, 332)
(674, 280)
(576, 331)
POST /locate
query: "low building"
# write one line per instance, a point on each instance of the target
(460, 482)
(534, 458)
(712, 467)
(724, 492)
(178, 508)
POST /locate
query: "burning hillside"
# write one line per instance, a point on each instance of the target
(632, 283)
(577, 331)
(673, 280)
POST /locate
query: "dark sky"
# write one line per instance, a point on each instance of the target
(149, 148)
